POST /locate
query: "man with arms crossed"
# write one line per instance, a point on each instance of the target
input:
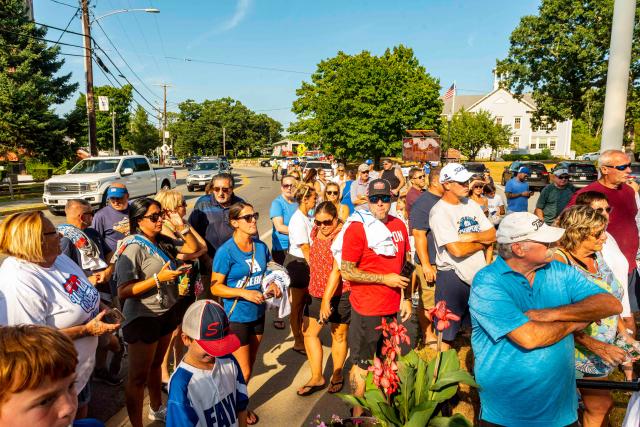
(524, 309)
(376, 285)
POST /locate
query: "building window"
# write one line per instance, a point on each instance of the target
(533, 146)
(542, 143)
(499, 120)
(516, 140)
(552, 144)
(516, 122)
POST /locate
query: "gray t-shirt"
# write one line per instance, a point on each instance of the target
(136, 264)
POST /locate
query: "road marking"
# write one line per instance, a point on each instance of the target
(266, 234)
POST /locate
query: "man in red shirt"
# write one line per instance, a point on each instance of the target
(417, 177)
(376, 283)
(614, 172)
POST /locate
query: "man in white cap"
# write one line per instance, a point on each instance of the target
(555, 196)
(524, 310)
(461, 232)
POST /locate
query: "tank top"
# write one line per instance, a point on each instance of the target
(321, 265)
(390, 175)
(346, 196)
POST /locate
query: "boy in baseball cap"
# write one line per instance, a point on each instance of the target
(207, 388)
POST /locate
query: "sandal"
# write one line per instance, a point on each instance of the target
(301, 351)
(279, 324)
(333, 385)
(310, 389)
(256, 418)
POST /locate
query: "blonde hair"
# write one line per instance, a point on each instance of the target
(579, 222)
(30, 355)
(303, 191)
(169, 199)
(21, 236)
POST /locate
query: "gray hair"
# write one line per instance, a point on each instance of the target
(73, 202)
(505, 250)
(607, 156)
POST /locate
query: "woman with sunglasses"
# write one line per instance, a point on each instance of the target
(320, 185)
(238, 268)
(297, 260)
(476, 193)
(595, 352)
(146, 275)
(329, 302)
(332, 194)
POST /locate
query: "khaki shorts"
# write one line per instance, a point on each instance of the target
(427, 290)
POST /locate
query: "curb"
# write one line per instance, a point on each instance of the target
(26, 208)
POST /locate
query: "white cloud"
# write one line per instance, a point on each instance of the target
(242, 7)
(471, 40)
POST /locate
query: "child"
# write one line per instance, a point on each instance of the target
(207, 388)
(494, 204)
(37, 378)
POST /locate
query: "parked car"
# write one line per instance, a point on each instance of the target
(538, 179)
(267, 162)
(317, 164)
(635, 171)
(581, 174)
(90, 178)
(591, 156)
(190, 162)
(173, 161)
(203, 171)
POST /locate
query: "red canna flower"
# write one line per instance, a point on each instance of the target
(442, 314)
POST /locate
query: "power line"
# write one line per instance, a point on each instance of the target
(64, 30)
(155, 20)
(63, 3)
(38, 38)
(144, 38)
(67, 27)
(255, 67)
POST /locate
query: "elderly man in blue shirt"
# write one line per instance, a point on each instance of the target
(524, 310)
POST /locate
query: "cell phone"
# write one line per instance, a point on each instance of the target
(184, 267)
(407, 270)
(114, 316)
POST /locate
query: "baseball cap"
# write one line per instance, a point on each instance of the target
(519, 226)
(369, 162)
(116, 192)
(524, 169)
(561, 171)
(206, 322)
(363, 167)
(454, 172)
(379, 187)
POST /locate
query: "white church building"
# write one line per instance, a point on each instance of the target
(507, 110)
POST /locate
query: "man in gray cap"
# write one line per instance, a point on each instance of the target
(524, 310)
(359, 188)
(555, 196)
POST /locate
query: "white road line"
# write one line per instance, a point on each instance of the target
(266, 234)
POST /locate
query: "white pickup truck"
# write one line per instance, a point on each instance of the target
(90, 178)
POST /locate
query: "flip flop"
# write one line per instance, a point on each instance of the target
(311, 389)
(335, 384)
(279, 324)
(302, 351)
(255, 417)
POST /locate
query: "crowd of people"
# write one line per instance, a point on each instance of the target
(546, 296)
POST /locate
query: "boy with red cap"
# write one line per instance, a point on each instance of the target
(207, 388)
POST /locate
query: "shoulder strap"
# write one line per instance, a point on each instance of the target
(565, 256)
(246, 281)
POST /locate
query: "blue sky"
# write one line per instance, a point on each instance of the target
(454, 39)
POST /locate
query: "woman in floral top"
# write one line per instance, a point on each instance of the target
(595, 353)
(328, 302)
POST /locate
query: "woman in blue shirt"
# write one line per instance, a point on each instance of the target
(238, 268)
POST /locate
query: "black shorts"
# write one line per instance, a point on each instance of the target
(150, 329)
(364, 340)
(182, 305)
(279, 256)
(450, 288)
(245, 330)
(340, 305)
(298, 270)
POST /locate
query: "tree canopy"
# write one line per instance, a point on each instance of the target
(561, 56)
(360, 105)
(143, 137)
(470, 132)
(30, 86)
(197, 128)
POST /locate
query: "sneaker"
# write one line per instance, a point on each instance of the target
(104, 376)
(159, 415)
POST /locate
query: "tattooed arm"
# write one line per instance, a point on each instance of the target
(352, 273)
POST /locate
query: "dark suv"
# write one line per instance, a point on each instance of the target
(581, 174)
(538, 179)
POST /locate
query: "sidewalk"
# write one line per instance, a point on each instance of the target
(22, 205)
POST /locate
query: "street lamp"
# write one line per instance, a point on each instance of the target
(88, 66)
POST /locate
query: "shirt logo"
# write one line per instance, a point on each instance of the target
(80, 293)
(468, 224)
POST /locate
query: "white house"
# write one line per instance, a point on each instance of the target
(509, 111)
(285, 145)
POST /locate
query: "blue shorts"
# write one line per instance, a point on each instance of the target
(450, 288)
(634, 292)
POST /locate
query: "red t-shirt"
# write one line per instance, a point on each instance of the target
(622, 219)
(372, 299)
(321, 265)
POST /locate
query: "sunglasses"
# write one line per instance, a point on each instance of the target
(250, 217)
(376, 199)
(287, 186)
(364, 172)
(153, 217)
(419, 177)
(619, 167)
(332, 193)
(608, 209)
(326, 223)
(340, 170)
(563, 177)
(222, 189)
(477, 186)
(116, 199)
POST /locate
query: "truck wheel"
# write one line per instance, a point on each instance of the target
(190, 189)
(165, 185)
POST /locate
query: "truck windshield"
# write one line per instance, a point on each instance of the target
(205, 166)
(96, 166)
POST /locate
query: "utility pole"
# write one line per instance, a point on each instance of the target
(615, 101)
(113, 130)
(88, 71)
(164, 114)
(224, 141)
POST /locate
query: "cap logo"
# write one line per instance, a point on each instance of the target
(212, 329)
(537, 224)
(459, 169)
(379, 186)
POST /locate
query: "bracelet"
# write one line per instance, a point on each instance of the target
(155, 279)
(185, 230)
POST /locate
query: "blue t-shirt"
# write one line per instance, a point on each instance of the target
(111, 225)
(346, 196)
(521, 387)
(419, 220)
(517, 204)
(235, 265)
(280, 207)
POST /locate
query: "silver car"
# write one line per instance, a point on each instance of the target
(202, 173)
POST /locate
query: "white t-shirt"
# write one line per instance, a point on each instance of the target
(300, 227)
(284, 164)
(494, 204)
(59, 296)
(447, 222)
(619, 266)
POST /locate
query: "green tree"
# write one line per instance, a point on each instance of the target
(470, 132)
(561, 55)
(120, 100)
(359, 106)
(582, 140)
(143, 136)
(29, 87)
